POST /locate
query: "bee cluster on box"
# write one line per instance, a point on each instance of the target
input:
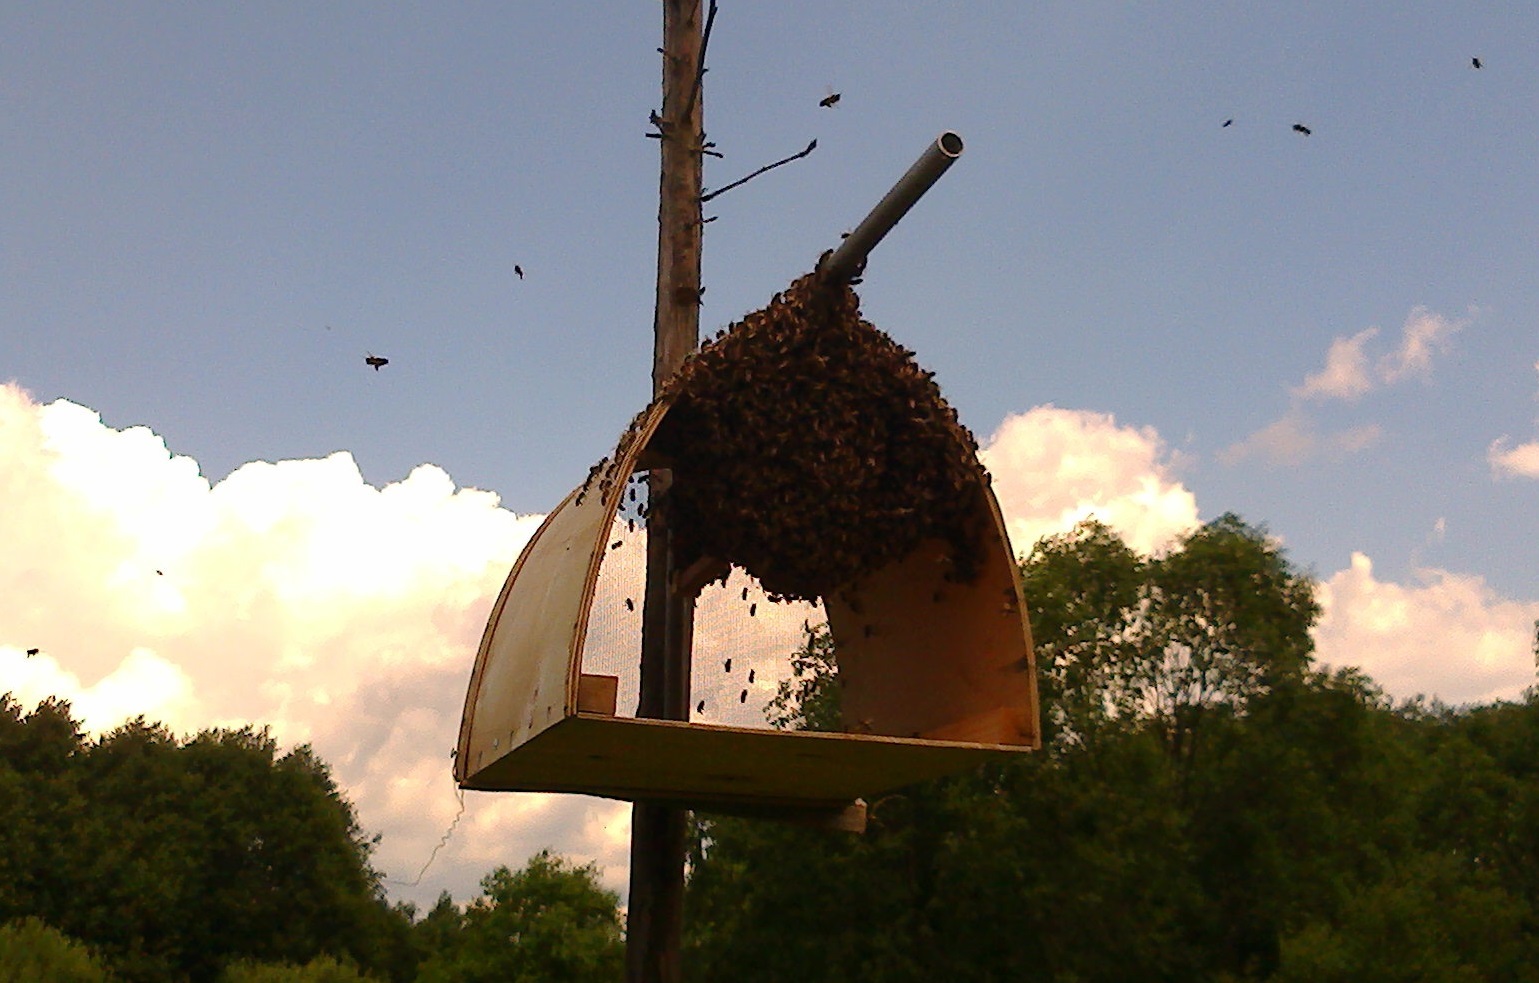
(809, 448)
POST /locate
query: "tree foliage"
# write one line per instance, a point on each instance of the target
(32, 952)
(548, 921)
(173, 858)
(321, 969)
(1209, 805)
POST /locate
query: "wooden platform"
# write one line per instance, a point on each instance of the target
(704, 764)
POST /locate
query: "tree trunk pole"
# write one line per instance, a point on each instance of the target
(655, 920)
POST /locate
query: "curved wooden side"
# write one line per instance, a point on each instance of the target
(529, 664)
(923, 656)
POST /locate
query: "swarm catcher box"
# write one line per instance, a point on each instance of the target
(936, 675)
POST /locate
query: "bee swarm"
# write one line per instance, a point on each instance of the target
(810, 449)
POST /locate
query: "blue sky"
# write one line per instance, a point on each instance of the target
(210, 215)
(193, 196)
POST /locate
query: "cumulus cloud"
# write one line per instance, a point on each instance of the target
(1348, 375)
(1448, 635)
(292, 594)
(295, 595)
(1053, 468)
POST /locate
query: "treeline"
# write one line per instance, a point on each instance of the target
(1209, 805)
(143, 857)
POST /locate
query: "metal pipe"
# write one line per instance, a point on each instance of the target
(850, 258)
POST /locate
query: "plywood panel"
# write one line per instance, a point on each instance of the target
(921, 653)
(520, 684)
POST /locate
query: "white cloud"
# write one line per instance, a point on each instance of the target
(291, 594)
(294, 594)
(1054, 467)
(1425, 334)
(1345, 375)
(1508, 461)
(1450, 635)
(1293, 439)
(1521, 461)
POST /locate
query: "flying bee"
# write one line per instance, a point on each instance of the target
(374, 361)
(831, 100)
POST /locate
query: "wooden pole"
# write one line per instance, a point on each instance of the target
(655, 920)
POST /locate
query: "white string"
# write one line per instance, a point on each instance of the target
(442, 842)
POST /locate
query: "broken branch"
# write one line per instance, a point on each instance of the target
(767, 167)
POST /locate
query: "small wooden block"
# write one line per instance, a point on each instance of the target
(597, 694)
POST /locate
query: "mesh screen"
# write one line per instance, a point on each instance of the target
(743, 640)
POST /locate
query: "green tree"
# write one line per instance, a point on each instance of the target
(1077, 864)
(548, 921)
(809, 700)
(173, 858)
(1124, 640)
(42, 811)
(31, 952)
(321, 969)
(437, 933)
(1432, 919)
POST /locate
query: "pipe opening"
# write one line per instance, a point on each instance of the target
(950, 144)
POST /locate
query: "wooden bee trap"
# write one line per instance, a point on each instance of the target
(919, 586)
